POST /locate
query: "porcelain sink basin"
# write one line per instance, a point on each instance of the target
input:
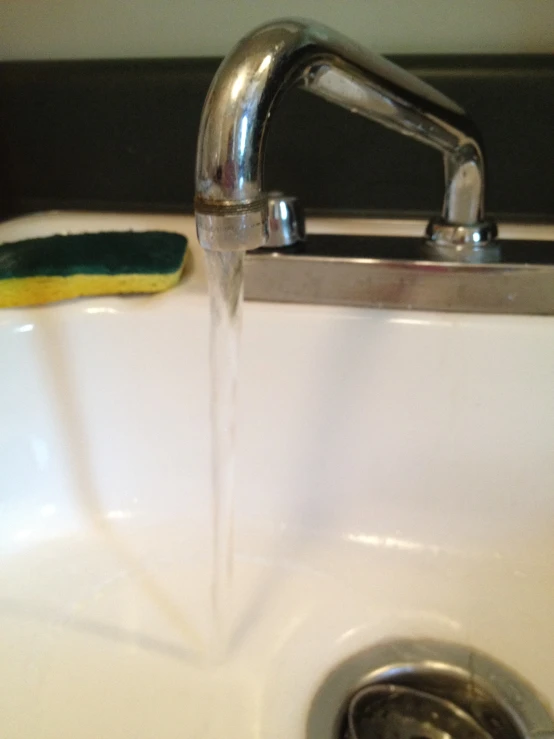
(395, 479)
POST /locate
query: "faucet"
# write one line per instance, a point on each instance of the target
(232, 210)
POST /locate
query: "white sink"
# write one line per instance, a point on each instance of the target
(395, 479)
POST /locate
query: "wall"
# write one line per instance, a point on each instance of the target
(43, 29)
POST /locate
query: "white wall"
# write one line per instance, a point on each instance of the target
(41, 29)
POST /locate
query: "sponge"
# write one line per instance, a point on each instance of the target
(46, 270)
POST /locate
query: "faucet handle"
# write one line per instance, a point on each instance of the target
(286, 224)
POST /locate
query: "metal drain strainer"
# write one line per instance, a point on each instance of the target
(394, 712)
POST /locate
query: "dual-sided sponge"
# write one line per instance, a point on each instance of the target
(46, 270)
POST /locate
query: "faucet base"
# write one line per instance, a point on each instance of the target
(471, 244)
(395, 272)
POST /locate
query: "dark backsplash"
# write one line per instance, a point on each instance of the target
(121, 135)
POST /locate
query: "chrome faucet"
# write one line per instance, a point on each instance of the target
(233, 212)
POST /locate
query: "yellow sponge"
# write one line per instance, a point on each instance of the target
(54, 268)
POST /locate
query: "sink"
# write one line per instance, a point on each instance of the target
(395, 480)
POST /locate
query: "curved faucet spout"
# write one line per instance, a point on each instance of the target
(230, 204)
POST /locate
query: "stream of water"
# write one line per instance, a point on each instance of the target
(225, 278)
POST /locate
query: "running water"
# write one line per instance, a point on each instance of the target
(225, 277)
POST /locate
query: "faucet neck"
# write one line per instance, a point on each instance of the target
(285, 53)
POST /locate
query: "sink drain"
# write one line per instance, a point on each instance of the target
(426, 690)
